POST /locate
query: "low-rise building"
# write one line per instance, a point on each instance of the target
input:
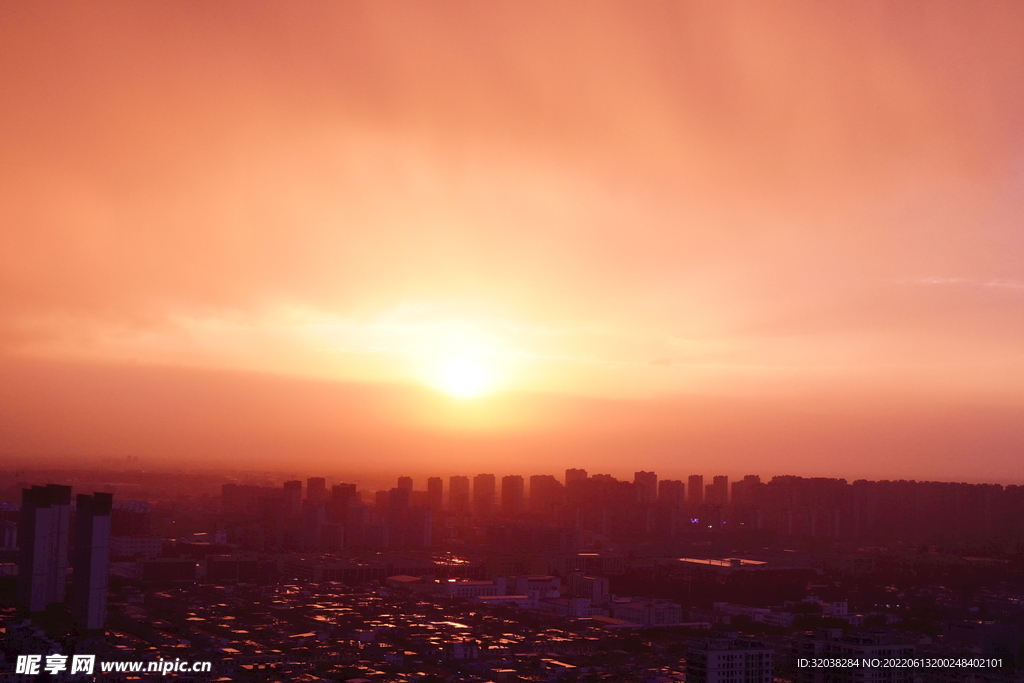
(647, 612)
(729, 659)
(574, 608)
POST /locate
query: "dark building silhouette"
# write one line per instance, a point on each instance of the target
(293, 499)
(671, 512)
(341, 494)
(316, 490)
(513, 495)
(646, 485)
(717, 492)
(91, 564)
(671, 493)
(43, 537)
(405, 483)
(695, 484)
(435, 494)
(458, 495)
(743, 491)
(484, 494)
(546, 494)
(574, 475)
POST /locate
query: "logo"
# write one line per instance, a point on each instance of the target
(54, 664)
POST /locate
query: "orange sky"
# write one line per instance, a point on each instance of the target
(709, 237)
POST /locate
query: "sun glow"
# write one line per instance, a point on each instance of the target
(463, 378)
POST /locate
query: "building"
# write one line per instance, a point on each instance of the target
(671, 509)
(435, 494)
(458, 495)
(645, 485)
(537, 587)
(744, 490)
(729, 659)
(293, 499)
(594, 588)
(717, 492)
(647, 612)
(695, 484)
(701, 569)
(574, 476)
(316, 490)
(344, 493)
(546, 494)
(722, 612)
(592, 564)
(43, 534)
(92, 560)
(532, 539)
(521, 601)
(513, 495)
(240, 568)
(484, 493)
(573, 608)
(405, 483)
(468, 588)
(671, 494)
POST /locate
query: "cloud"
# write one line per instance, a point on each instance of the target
(996, 283)
(343, 192)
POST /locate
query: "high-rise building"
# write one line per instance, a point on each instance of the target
(293, 499)
(91, 560)
(316, 490)
(717, 492)
(671, 508)
(574, 475)
(458, 495)
(546, 494)
(43, 536)
(314, 517)
(646, 486)
(513, 495)
(435, 494)
(743, 491)
(484, 494)
(398, 500)
(343, 493)
(695, 484)
(671, 493)
(405, 483)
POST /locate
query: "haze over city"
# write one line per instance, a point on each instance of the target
(778, 238)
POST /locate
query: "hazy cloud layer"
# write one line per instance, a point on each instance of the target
(608, 201)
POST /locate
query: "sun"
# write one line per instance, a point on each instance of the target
(463, 378)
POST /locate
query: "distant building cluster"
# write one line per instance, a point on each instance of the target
(543, 513)
(677, 579)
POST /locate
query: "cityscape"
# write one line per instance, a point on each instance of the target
(517, 341)
(579, 577)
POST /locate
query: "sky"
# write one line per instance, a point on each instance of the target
(718, 237)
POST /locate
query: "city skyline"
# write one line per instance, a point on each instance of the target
(746, 577)
(467, 342)
(780, 238)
